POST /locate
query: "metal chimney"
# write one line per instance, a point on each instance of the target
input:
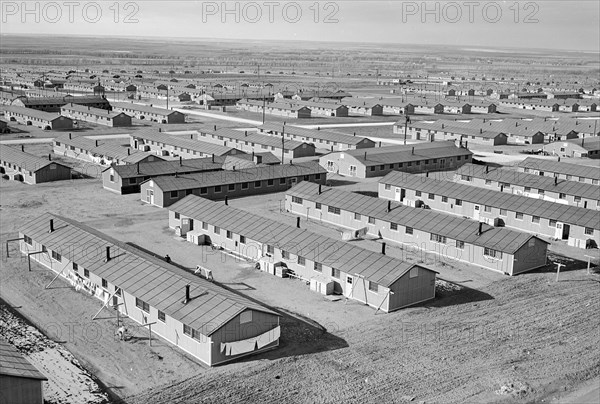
(480, 228)
(187, 294)
(107, 253)
(320, 189)
(51, 226)
(49, 157)
(298, 222)
(226, 200)
(383, 248)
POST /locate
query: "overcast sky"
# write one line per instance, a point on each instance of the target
(571, 25)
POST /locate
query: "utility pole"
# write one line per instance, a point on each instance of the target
(167, 97)
(282, 143)
(405, 123)
(263, 111)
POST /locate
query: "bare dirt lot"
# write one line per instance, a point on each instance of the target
(489, 339)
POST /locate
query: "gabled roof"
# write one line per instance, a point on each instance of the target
(182, 142)
(501, 200)
(404, 153)
(143, 108)
(111, 150)
(34, 113)
(207, 179)
(90, 110)
(586, 143)
(163, 167)
(13, 363)
(561, 167)
(150, 279)
(346, 257)
(530, 180)
(456, 228)
(312, 133)
(258, 138)
(24, 160)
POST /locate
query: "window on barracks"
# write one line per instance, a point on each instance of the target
(373, 287)
(161, 316)
(139, 303)
(301, 261)
(318, 267)
(27, 240)
(56, 256)
(297, 200)
(335, 273)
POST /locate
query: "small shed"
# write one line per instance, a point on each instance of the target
(21, 382)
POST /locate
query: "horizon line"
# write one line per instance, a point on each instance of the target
(150, 37)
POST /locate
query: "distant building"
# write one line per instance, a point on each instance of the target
(561, 170)
(378, 161)
(163, 144)
(589, 147)
(323, 139)
(54, 104)
(278, 108)
(145, 112)
(165, 190)
(96, 115)
(252, 142)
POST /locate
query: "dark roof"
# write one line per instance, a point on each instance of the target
(379, 268)
(561, 167)
(148, 278)
(91, 110)
(530, 180)
(497, 199)
(24, 160)
(312, 133)
(13, 363)
(59, 99)
(456, 228)
(207, 179)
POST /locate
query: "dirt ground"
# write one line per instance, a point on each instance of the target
(486, 337)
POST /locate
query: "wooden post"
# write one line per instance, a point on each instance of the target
(105, 304)
(12, 239)
(149, 328)
(389, 292)
(558, 266)
(589, 257)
